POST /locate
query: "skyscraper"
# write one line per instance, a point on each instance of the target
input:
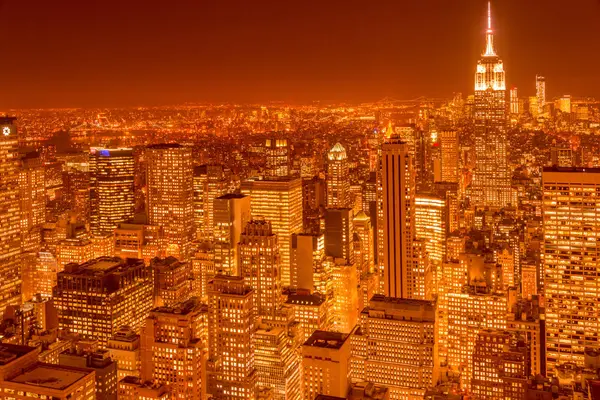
(449, 156)
(491, 179)
(231, 213)
(277, 157)
(231, 327)
(259, 266)
(339, 234)
(396, 346)
(279, 201)
(210, 182)
(398, 217)
(338, 185)
(571, 265)
(172, 350)
(170, 195)
(96, 298)
(10, 215)
(514, 101)
(540, 93)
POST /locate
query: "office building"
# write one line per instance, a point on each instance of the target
(112, 194)
(312, 311)
(100, 362)
(124, 349)
(499, 366)
(279, 202)
(133, 388)
(172, 350)
(326, 364)
(231, 213)
(210, 182)
(231, 327)
(396, 344)
(338, 184)
(10, 215)
(514, 101)
(491, 184)
(308, 255)
(540, 93)
(398, 184)
(345, 295)
(277, 157)
(570, 263)
(260, 265)
(23, 377)
(96, 298)
(172, 281)
(277, 363)
(170, 195)
(339, 234)
(448, 140)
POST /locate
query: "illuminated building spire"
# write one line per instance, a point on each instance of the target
(489, 46)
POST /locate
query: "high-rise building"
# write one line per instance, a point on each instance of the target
(326, 364)
(231, 213)
(338, 184)
(514, 101)
(105, 369)
(564, 104)
(259, 266)
(430, 225)
(449, 155)
(279, 202)
(112, 194)
(540, 93)
(172, 281)
(10, 215)
(312, 311)
(571, 263)
(396, 344)
(468, 313)
(33, 195)
(491, 184)
(398, 217)
(172, 350)
(363, 248)
(277, 363)
(21, 373)
(124, 348)
(308, 255)
(345, 295)
(210, 182)
(339, 234)
(96, 298)
(499, 366)
(170, 195)
(231, 327)
(277, 157)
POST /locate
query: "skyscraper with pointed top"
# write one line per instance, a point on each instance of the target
(491, 178)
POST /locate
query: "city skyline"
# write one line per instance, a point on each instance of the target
(293, 52)
(441, 248)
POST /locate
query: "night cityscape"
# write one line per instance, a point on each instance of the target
(328, 200)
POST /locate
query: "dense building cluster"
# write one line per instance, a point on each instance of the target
(427, 249)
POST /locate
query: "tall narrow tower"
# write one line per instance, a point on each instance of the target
(338, 185)
(398, 217)
(491, 178)
(170, 195)
(112, 197)
(10, 215)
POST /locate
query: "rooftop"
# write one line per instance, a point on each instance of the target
(314, 299)
(11, 352)
(230, 196)
(51, 376)
(326, 339)
(571, 169)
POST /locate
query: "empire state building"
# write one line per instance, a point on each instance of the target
(491, 178)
